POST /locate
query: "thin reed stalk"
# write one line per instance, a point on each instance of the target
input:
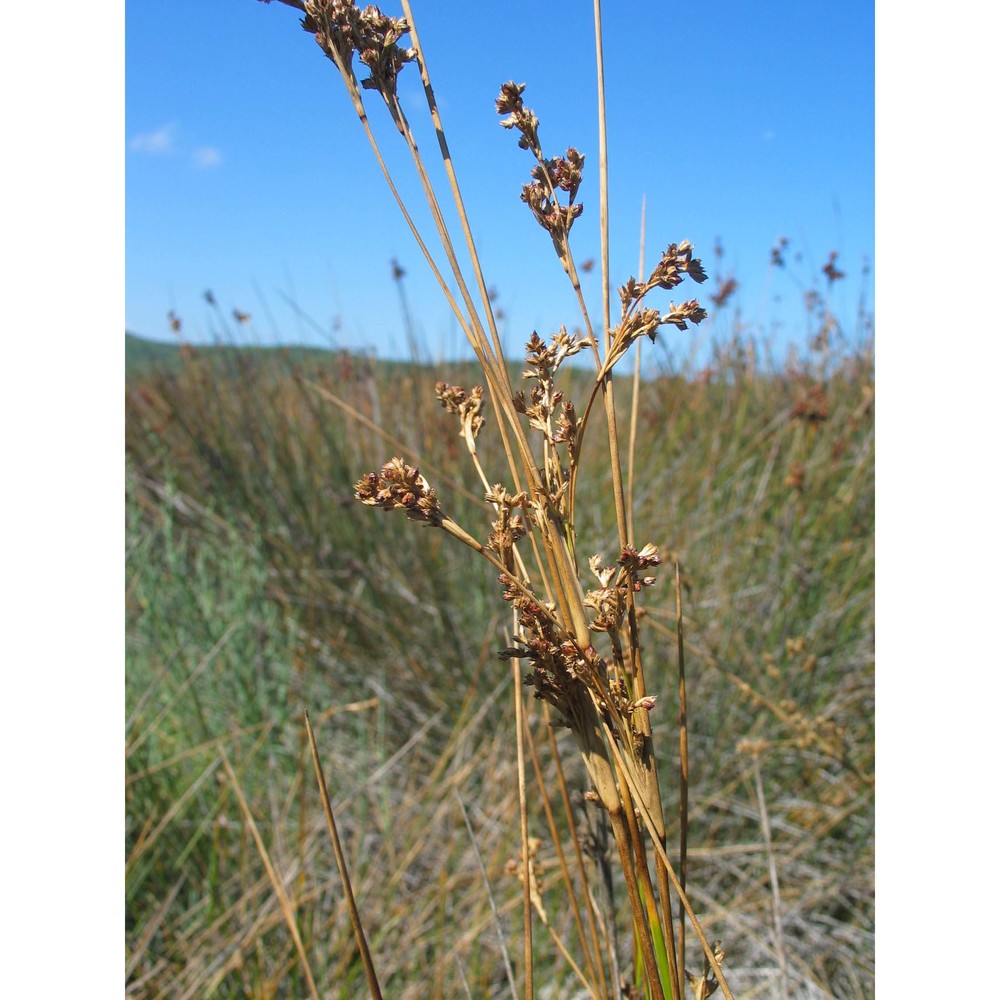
(582, 645)
(522, 802)
(287, 909)
(345, 878)
(682, 738)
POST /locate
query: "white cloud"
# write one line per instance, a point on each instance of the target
(206, 158)
(155, 143)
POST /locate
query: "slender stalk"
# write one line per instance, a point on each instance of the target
(522, 802)
(596, 990)
(345, 878)
(772, 869)
(683, 738)
(575, 839)
(650, 788)
(626, 849)
(287, 909)
(489, 893)
(633, 431)
(602, 126)
(662, 854)
(453, 182)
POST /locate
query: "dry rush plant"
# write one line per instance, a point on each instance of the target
(577, 646)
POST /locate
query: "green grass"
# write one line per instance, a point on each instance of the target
(256, 587)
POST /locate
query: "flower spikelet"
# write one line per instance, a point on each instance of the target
(339, 26)
(634, 561)
(555, 219)
(467, 406)
(378, 35)
(334, 23)
(399, 486)
(567, 429)
(675, 262)
(679, 316)
(508, 528)
(518, 116)
(559, 666)
(564, 172)
(609, 600)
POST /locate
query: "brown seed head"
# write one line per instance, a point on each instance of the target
(400, 487)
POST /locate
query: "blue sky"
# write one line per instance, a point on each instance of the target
(248, 174)
(239, 78)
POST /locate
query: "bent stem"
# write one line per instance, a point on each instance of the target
(345, 878)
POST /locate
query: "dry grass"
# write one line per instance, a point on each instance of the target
(306, 603)
(757, 804)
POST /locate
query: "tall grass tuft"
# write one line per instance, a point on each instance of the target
(690, 784)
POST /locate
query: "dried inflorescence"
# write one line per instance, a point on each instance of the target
(813, 406)
(519, 117)
(687, 312)
(637, 321)
(561, 173)
(467, 406)
(400, 487)
(555, 219)
(610, 600)
(830, 269)
(565, 172)
(568, 430)
(341, 29)
(544, 360)
(676, 261)
(509, 528)
(563, 672)
(543, 398)
(559, 665)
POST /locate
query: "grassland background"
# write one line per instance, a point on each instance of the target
(256, 587)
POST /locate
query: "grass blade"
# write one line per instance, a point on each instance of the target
(345, 878)
(288, 911)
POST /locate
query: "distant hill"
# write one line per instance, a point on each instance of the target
(147, 357)
(141, 353)
(144, 356)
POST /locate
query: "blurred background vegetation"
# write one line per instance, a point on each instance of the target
(256, 588)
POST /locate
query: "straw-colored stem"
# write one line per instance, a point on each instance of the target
(633, 430)
(522, 802)
(345, 878)
(650, 793)
(626, 850)
(683, 739)
(642, 867)
(287, 910)
(453, 182)
(575, 839)
(602, 126)
(597, 990)
(672, 875)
